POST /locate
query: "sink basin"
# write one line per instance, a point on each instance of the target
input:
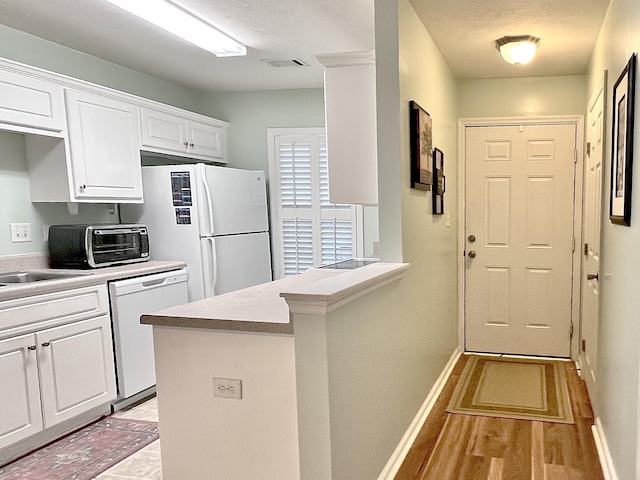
(28, 277)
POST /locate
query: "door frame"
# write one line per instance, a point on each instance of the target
(578, 122)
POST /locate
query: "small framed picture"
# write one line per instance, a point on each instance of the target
(438, 182)
(622, 145)
(420, 127)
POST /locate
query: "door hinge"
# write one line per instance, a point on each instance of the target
(575, 155)
(571, 330)
(584, 345)
(573, 245)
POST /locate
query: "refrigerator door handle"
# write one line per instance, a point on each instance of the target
(214, 267)
(207, 192)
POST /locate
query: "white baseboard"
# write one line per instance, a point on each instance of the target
(606, 462)
(394, 463)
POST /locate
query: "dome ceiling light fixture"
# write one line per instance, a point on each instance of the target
(519, 49)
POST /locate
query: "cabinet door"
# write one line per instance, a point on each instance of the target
(164, 131)
(104, 135)
(19, 392)
(205, 140)
(76, 368)
(31, 102)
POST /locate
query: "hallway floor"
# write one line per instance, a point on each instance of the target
(452, 446)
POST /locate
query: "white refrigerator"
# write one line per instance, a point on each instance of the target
(213, 218)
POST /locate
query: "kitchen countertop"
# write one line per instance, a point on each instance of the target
(86, 278)
(266, 308)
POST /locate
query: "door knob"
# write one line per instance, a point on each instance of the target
(592, 276)
(471, 238)
(471, 254)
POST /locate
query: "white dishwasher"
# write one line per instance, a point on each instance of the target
(132, 341)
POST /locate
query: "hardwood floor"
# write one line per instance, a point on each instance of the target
(464, 447)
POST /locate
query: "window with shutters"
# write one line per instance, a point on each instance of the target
(307, 229)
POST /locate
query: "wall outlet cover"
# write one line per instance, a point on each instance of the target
(227, 388)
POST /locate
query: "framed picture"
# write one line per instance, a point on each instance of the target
(622, 145)
(420, 128)
(438, 182)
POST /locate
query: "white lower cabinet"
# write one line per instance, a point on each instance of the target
(60, 370)
(76, 368)
(20, 393)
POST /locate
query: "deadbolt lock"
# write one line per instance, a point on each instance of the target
(472, 238)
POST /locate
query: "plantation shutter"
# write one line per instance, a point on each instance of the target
(308, 230)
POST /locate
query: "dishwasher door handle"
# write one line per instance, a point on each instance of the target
(154, 282)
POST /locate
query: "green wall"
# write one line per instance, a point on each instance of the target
(617, 400)
(532, 96)
(251, 113)
(31, 50)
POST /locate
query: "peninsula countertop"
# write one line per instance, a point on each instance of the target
(266, 307)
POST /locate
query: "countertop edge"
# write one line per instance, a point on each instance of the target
(215, 324)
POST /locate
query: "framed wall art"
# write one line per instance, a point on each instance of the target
(622, 145)
(438, 182)
(420, 128)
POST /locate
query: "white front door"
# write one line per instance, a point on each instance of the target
(591, 247)
(519, 191)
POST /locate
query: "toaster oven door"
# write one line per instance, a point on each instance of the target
(113, 246)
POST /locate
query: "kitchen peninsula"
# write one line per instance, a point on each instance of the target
(307, 349)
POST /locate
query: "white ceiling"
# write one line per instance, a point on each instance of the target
(464, 30)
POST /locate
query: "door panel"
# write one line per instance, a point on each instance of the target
(519, 206)
(239, 261)
(591, 249)
(239, 200)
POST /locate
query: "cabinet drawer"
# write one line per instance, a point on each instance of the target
(31, 102)
(26, 314)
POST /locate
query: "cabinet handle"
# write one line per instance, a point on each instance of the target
(186, 144)
(45, 344)
(191, 145)
(83, 186)
(31, 347)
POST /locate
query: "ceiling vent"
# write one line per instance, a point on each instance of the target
(295, 62)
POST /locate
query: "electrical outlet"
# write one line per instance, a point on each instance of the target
(20, 232)
(227, 388)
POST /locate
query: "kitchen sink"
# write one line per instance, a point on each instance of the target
(29, 277)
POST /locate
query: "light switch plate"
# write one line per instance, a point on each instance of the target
(20, 232)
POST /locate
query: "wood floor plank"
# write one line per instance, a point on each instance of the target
(448, 454)
(496, 468)
(420, 452)
(464, 447)
(537, 451)
(517, 461)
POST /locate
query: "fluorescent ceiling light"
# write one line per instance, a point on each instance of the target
(518, 50)
(183, 24)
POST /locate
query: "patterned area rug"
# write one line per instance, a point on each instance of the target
(85, 453)
(513, 388)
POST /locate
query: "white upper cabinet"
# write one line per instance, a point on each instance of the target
(350, 120)
(164, 132)
(28, 104)
(105, 150)
(84, 141)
